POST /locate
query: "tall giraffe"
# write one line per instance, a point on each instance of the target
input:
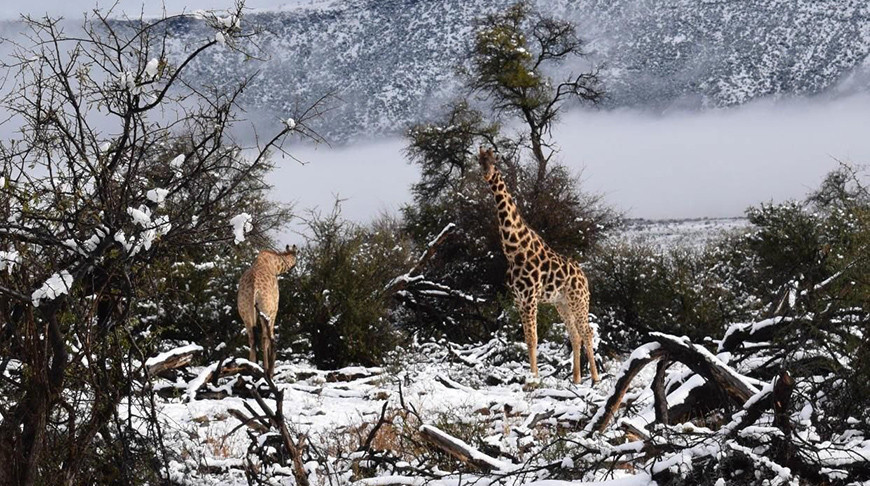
(258, 301)
(537, 274)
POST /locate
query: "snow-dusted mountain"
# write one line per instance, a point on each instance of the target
(392, 61)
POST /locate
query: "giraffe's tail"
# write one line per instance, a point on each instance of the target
(259, 327)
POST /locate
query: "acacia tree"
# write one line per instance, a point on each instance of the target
(119, 167)
(513, 51)
(507, 85)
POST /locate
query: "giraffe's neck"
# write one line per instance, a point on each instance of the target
(271, 262)
(513, 231)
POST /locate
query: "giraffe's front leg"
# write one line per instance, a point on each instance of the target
(529, 314)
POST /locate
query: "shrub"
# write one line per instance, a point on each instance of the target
(335, 306)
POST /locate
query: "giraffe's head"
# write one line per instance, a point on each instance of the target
(486, 159)
(288, 258)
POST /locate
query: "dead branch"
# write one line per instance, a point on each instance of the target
(276, 418)
(250, 422)
(636, 362)
(366, 446)
(401, 282)
(171, 360)
(658, 388)
(460, 450)
(671, 348)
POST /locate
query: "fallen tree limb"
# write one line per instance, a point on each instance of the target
(671, 348)
(170, 360)
(660, 401)
(639, 358)
(461, 450)
(276, 418)
(250, 422)
(704, 363)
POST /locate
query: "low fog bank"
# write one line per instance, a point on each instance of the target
(715, 162)
(711, 163)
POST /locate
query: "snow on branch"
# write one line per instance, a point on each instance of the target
(639, 358)
(402, 281)
(738, 333)
(462, 451)
(697, 358)
(175, 358)
(56, 285)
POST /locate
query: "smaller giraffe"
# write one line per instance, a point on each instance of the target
(536, 274)
(258, 301)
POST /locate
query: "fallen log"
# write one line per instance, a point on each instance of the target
(660, 397)
(172, 359)
(704, 363)
(671, 348)
(461, 450)
(639, 358)
(222, 369)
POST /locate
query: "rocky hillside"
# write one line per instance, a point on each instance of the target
(392, 62)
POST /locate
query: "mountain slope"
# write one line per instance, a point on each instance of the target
(393, 62)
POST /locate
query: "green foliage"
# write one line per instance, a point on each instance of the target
(638, 288)
(806, 261)
(509, 59)
(502, 61)
(506, 70)
(336, 304)
(471, 260)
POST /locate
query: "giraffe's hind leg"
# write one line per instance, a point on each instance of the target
(529, 314)
(573, 334)
(265, 343)
(272, 345)
(590, 355)
(586, 335)
(579, 304)
(252, 342)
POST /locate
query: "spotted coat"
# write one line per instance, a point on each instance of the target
(258, 296)
(537, 274)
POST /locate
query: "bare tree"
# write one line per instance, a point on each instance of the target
(119, 165)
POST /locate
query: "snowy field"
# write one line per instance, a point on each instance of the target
(473, 388)
(373, 426)
(692, 233)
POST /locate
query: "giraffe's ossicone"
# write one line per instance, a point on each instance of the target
(258, 301)
(538, 274)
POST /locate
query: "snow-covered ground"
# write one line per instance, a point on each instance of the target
(516, 430)
(479, 398)
(668, 233)
(482, 389)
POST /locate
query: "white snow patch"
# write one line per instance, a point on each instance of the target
(56, 285)
(8, 259)
(241, 225)
(141, 216)
(157, 195)
(151, 68)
